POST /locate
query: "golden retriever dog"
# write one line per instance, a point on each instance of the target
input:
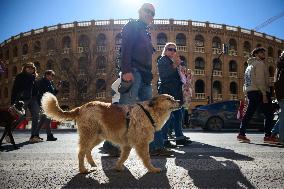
(129, 126)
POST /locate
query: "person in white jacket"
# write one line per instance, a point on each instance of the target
(256, 88)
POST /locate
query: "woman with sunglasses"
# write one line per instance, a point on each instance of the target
(170, 83)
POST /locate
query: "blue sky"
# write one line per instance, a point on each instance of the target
(18, 16)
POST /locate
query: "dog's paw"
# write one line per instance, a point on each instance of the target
(155, 170)
(84, 171)
(93, 164)
(119, 167)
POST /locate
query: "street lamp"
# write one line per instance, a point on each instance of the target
(225, 48)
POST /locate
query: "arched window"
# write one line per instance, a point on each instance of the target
(50, 44)
(101, 62)
(100, 85)
(199, 63)
(101, 40)
(65, 64)
(14, 71)
(199, 86)
(199, 41)
(82, 87)
(181, 39)
(216, 42)
(37, 47)
(259, 45)
(50, 65)
(25, 49)
(247, 47)
(233, 88)
(6, 94)
(15, 51)
(232, 44)
(271, 71)
(118, 39)
(162, 39)
(66, 42)
(65, 87)
(217, 87)
(217, 64)
(83, 63)
(233, 67)
(270, 52)
(83, 41)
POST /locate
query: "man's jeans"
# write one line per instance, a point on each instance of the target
(138, 92)
(279, 126)
(44, 121)
(255, 101)
(141, 92)
(34, 108)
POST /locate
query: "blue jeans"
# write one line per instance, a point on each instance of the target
(175, 121)
(255, 101)
(138, 92)
(141, 92)
(44, 120)
(279, 125)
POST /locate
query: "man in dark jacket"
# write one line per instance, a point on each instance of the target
(45, 84)
(24, 90)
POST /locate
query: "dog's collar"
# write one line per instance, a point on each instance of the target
(148, 115)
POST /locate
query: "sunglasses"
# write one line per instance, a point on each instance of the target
(172, 49)
(148, 11)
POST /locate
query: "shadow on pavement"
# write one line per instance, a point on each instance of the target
(123, 179)
(216, 168)
(9, 147)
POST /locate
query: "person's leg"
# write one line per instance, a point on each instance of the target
(177, 122)
(131, 96)
(254, 100)
(281, 121)
(268, 113)
(275, 129)
(35, 112)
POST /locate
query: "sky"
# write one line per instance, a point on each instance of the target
(18, 16)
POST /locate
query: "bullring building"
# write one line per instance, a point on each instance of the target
(84, 57)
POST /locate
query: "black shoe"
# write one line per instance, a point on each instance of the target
(183, 142)
(51, 138)
(110, 149)
(168, 144)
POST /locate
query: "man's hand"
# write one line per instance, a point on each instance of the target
(127, 77)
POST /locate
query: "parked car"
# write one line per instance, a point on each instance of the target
(222, 115)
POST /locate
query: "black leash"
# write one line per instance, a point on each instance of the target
(148, 115)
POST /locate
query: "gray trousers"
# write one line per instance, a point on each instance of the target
(34, 108)
(44, 121)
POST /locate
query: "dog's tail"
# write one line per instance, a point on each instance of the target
(51, 108)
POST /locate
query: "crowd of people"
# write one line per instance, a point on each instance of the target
(134, 85)
(29, 89)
